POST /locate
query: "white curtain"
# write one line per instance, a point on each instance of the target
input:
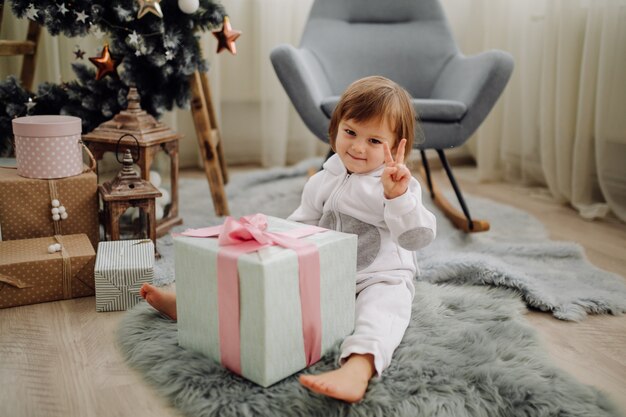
(256, 113)
(561, 122)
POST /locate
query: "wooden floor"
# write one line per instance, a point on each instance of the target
(593, 351)
(60, 359)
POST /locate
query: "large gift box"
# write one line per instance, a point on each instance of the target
(265, 302)
(26, 206)
(30, 274)
(122, 266)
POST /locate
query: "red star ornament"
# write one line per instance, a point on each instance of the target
(226, 37)
(105, 63)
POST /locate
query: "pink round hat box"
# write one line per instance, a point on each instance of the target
(48, 147)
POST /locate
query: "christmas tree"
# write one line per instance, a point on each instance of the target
(152, 45)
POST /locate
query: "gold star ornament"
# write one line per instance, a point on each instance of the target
(105, 63)
(149, 6)
(226, 37)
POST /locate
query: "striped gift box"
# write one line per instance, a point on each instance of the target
(122, 266)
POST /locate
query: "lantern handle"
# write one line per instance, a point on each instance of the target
(117, 148)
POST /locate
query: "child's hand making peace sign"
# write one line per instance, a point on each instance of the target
(396, 175)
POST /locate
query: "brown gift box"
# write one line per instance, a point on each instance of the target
(30, 275)
(25, 206)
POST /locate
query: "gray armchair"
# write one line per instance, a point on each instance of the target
(408, 41)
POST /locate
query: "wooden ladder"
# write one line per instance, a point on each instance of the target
(27, 48)
(209, 140)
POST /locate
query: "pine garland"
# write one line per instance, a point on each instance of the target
(162, 83)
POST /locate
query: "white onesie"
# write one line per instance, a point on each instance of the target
(389, 231)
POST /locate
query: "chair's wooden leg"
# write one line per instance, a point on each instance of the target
(461, 220)
(204, 131)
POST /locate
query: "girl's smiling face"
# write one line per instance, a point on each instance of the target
(360, 144)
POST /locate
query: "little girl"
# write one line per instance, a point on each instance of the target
(363, 190)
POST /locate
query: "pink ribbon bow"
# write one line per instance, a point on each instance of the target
(249, 234)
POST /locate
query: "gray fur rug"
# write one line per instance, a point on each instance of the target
(467, 352)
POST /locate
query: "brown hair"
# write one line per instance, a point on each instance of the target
(376, 97)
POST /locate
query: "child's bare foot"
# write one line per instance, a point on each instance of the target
(347, 383)
(162, 300)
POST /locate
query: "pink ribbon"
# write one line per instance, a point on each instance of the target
(249, 234)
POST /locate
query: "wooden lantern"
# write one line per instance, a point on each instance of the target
(123, 192)
(151, 137)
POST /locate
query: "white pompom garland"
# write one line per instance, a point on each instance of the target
(55, 247)
(58, 211)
